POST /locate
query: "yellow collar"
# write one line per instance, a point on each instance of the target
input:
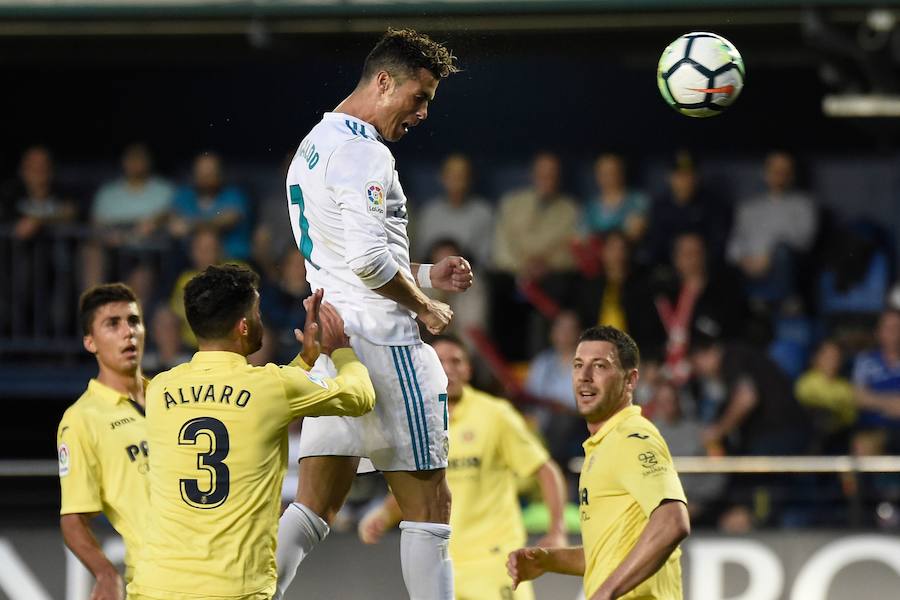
(107, 393)
(611, 424)
(218, 356)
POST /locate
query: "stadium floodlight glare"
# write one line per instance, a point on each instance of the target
(861, 105)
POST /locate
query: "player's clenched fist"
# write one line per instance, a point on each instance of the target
(436, 316)
(525, 564)
(452, 274)
(108, 587)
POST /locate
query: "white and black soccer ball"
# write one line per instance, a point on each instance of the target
(700, 74)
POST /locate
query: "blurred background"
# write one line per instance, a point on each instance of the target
(751, 253)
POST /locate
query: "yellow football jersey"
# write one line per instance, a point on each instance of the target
(490, 446)
(218, 427)
(627, 473)
(102, 447)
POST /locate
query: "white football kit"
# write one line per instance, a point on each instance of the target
(348, 213)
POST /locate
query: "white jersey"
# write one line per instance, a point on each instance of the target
(348, 213)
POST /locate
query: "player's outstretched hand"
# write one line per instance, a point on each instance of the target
(525, 564)
(309, 337)
(436, 316)
(332, 327)
(372, 526)
(452, 274)
(109, 588)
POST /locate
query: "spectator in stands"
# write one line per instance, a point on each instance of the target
(828, 398)
(876, 379)
(35, 201)
(684, 436)
(272, 236)
(34, 208)
(694, 294)
(281, 305)
(206, 250)
(685, 207)
(135, 205)
(621, 297)
(533, 259)
(550, 373)
(746, 399)
(469, 309)
(535, 226)
(211, 203)
(168, 349)
(457, 214)
(550, 381)
(617, 208)
(126, 213)
(770, 231)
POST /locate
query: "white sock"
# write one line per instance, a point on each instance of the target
(425, 560)
(299, 530)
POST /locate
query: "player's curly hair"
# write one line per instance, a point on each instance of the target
(403, 51)
(101, 295)
(626, 348)
(219, 297)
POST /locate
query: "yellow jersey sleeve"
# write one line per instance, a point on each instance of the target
(79, 468)
(349, 394)
(645, 469)
(520, 449)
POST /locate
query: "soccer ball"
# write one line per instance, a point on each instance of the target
(700, 74)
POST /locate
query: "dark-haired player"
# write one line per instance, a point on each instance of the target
(633, 510)
(102, 438)
(218, 429)
(349, 216)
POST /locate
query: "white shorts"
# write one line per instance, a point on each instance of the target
(407, 430)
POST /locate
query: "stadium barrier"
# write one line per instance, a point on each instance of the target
(684, 465)
(44, 276)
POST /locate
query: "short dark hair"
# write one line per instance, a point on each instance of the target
(215, 299)
(450, 339)
(403, 51)
(626, 348)
(101, 295)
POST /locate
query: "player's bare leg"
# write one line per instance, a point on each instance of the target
(321, 491)
(424, 500)
(324, 482)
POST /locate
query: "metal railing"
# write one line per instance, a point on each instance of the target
(44, 276)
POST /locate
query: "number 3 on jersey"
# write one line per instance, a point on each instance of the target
(214, 494)
(306, 244)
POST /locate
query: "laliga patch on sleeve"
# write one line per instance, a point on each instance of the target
(375, 198)
(319, 381)
(63, 453)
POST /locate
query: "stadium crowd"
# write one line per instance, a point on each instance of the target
(767, 325)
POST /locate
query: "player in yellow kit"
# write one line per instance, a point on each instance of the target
(633, 509)
(101, 440)
(218, 429)
(490, 448)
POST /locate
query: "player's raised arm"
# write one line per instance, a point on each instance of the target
(365, 235)
(350, 393)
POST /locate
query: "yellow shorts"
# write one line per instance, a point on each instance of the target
(487, 580)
